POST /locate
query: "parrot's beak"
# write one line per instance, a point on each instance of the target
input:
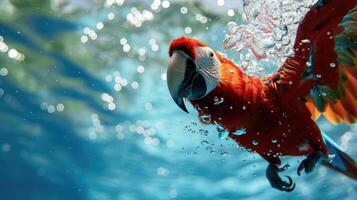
(183, 80)
(176, 76)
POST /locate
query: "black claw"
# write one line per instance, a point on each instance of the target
(276, 182)
(290, 188)
(290, 181)
(301, 167)
(310, 162)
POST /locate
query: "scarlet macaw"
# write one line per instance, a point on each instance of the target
(278, 112)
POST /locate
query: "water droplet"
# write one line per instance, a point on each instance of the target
(206, 119)
(230, 13)
(273, 140)
(239, 132)
(204, 142)
(183, 10)
(188, 30)
(3, 71)
(217, 101)
(223, 135)
(60, 107)
(332, 65)
(255, 143)
(220, 2)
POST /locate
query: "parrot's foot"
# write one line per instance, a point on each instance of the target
(311, 161)
(272, 173)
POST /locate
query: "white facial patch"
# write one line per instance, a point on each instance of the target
(208, 66)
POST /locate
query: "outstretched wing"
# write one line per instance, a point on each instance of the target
(323, 69)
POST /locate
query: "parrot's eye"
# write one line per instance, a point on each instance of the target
(211, 54)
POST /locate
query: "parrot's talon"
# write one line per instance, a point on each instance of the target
(276, 182)
(311, 161)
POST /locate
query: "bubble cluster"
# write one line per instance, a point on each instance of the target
(142, 53)
(268, 33)
(152, 141)
(51, 108)
(139, 127)
(110, 3)
(88, 32)
(98, 127)
(110, 105)
(119, 82)
(154, 46)
(157, 4)
(12, 53)
(119, 129)
(217, 101)
(201, 18)
(137, 18)
(126, 46)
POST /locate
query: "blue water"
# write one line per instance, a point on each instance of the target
(144, 148)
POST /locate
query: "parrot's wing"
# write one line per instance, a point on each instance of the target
(323, 69)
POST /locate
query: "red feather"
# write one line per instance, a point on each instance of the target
(185, 44)
(273, 127)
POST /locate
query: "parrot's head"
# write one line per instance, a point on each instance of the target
(193, 70)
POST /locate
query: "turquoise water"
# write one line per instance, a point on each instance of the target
(85, 112)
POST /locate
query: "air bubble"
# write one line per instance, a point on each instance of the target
(217, 101)
(183, 10)
(239, 132)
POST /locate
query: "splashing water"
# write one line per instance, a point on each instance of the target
(267, 35)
